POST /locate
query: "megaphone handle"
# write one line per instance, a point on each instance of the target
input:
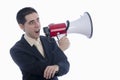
(59, 36)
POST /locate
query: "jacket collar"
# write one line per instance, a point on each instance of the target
(30, 40)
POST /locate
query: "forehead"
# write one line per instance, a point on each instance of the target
(32, 16)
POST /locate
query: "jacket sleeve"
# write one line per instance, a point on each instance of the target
(26, 62)
(61, 60)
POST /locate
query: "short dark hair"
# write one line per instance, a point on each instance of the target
(22, 13)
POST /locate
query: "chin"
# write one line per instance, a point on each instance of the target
(37, 37)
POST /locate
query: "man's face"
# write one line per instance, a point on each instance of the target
(32, 25)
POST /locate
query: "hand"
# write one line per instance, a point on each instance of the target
(64, 43)
(50, 71)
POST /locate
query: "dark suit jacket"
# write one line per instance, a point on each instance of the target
(32, 63)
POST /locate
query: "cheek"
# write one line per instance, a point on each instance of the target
(28, 30)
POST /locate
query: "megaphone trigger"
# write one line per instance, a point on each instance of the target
(59, 36)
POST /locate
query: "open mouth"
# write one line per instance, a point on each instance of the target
(37, 31)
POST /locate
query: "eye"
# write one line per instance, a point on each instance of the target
(38, 20)
(32, 22)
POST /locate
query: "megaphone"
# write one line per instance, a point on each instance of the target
(82, 25)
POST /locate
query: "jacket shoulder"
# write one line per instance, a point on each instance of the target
(48, 39)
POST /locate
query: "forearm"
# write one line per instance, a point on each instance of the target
(63, 68)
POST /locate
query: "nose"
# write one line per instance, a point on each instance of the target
(37, 24)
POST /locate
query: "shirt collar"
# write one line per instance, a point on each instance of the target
(30, 40)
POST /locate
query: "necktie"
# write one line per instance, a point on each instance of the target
(39, 47)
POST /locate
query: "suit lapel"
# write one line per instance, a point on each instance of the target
(36, 52)
(32, 49)
(46, 47)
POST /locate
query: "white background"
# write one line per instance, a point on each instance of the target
(97, 58)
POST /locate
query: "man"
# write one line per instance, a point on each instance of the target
(38, 57)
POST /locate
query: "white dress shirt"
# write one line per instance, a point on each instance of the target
(37, 43)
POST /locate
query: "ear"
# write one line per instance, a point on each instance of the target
(22, 27)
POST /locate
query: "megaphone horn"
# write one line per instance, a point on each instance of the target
(83, 25)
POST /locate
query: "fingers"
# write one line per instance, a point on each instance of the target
(64, 43)
(63, 39)
(50, 71)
